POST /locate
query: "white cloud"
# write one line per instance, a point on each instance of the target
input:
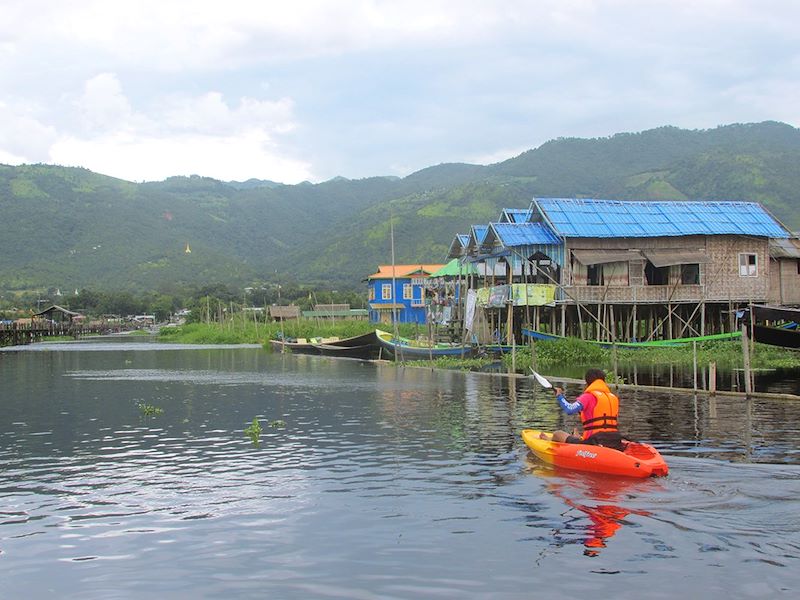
(181, 135)
(103, 106)
(367, 87)
(211, 114)
(242, 157)
(23, 138)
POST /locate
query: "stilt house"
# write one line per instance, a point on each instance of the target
(398, 293)
(628, 270)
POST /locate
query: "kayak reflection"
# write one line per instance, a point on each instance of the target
(600, 498)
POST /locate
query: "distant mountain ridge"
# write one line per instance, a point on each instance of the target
(72, 228)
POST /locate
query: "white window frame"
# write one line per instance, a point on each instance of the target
(386, 291)
(408, 291)
(746, 269)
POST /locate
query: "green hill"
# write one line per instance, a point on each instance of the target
(71, 228)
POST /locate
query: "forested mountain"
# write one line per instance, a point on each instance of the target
(71, 228)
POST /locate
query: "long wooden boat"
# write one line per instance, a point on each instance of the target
(735, 335)
(406, 349)
(363, 346)
(298, 345)
(637, 460)
(786, 336)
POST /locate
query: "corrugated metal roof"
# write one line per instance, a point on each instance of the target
(455, 267)
(385, 271)
(788, 248)
(601, 257)
(479, 231)
(458, 245)
(591, 217)
(666, 258)
(524, 234)
(515, 215)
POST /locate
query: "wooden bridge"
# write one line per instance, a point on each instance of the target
(16, 334)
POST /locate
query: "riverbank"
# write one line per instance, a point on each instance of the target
(241, 331)
(571, 352)
(679, 368)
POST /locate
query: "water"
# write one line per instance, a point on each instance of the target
(384, 483)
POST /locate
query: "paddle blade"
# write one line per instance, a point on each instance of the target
(542, 381)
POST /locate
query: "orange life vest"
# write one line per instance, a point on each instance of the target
(605, 413)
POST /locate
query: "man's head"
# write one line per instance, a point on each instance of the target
(593, 375)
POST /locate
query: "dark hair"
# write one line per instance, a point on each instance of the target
(593, 375)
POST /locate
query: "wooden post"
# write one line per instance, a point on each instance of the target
(712, 378)
(510, 323)
(748, 385)
(694, 363)
(703, 317)
(669, 314)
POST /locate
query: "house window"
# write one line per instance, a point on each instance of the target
(748, 265)
(386, 291)
(594, 275)
(372, 293)
(798, 266)
(408, 291)
(656, 275)
(690, 274)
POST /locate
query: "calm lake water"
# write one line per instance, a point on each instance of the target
(384, 483)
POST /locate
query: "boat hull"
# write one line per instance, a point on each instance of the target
(403, 349)
(777, 336)
(638, 459)
(296, 347)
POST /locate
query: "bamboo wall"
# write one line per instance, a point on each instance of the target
(719, 279)
(784, 282)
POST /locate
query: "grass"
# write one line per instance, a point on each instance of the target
(549, 354)
(242, 331)
(727, 355)
(446, 362)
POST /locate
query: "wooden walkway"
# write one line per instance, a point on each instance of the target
(21, 334)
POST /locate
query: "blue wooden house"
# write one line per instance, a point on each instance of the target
(398, 293)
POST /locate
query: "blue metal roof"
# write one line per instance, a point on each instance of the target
(524, 234)
(590, 217)
(480, 232)
(463, 239)
(515, 215)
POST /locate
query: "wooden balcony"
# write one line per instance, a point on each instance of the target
(641, 294)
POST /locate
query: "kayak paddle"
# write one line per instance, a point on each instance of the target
(542, 381)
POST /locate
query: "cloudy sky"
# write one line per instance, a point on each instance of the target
(308, 90)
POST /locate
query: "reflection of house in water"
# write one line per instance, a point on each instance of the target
(624, 270)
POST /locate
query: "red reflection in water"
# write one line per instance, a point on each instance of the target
(600, 497)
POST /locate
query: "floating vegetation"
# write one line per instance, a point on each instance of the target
(148, 410)
(253, 431)
(278, 423)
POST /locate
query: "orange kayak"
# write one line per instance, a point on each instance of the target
(637, 460)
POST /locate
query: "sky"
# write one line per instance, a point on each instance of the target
(310, 90)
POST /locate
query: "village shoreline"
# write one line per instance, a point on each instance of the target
(549, 355)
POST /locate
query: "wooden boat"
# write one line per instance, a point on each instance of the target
(406, 349)
(637, 460)
(363, 346)
(297, 345)
(787, 336)
(735, 335)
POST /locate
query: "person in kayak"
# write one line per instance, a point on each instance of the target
(599, 409)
